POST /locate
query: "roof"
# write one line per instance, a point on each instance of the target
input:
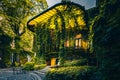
(43, 17)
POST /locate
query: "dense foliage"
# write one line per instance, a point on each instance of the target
(28, 66)
(14, 35)
(104, 30)
(79, 62)
(53, 32)
(17, 42)
(70, 73)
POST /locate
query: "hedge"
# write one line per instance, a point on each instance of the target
(70, 73)
(28, 66)
(32, 66)
(80, 62)
(38, 67)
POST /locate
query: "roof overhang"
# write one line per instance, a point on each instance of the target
(46, 15)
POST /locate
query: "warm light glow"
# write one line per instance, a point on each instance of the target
(69, 17)
(78, 43)
(84, 44)
(32, 22)
(1, 18)
(78, 36)
(67, 44)
(72, 22)
(80, 20)
(53, 61)
(43, 17)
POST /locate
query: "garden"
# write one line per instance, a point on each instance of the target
(62, 42)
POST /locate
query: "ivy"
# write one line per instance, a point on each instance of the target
(63, 26)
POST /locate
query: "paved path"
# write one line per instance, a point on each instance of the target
(7, 74)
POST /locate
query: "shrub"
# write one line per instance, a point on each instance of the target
(16, 64)
(28, 66)
(38, 67)
(80, 62)
(40, 60)
(70, 73)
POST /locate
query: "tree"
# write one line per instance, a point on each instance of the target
(17, 13)
(6, 35)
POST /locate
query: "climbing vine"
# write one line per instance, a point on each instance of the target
(59, 28)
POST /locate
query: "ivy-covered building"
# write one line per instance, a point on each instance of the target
(62, 32)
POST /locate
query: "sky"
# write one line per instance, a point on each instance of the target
(87, 3)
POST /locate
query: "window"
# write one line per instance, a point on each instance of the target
(78, 43)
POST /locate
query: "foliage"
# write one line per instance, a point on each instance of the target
(5, 50)
(29, 66)
(70, 73)
(5, 57)
(5, 27)
(13, 17)
(26, 41)
(32, 66)
(51, 55)
(16, 64)
(39, 60)
(53, 32)
(38, 67)
(80, 62)
(105, 39)
(5, 39)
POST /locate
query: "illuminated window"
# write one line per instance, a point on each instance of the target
(67, 44)
(78, 43)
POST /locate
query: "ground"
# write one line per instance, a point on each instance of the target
(9, 74)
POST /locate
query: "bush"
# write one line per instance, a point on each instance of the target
(39, 61)
(28, 66)
(70, 73)
(80, 62)
(38, 67)
(16, 64)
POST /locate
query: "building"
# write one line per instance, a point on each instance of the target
(62, 30)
